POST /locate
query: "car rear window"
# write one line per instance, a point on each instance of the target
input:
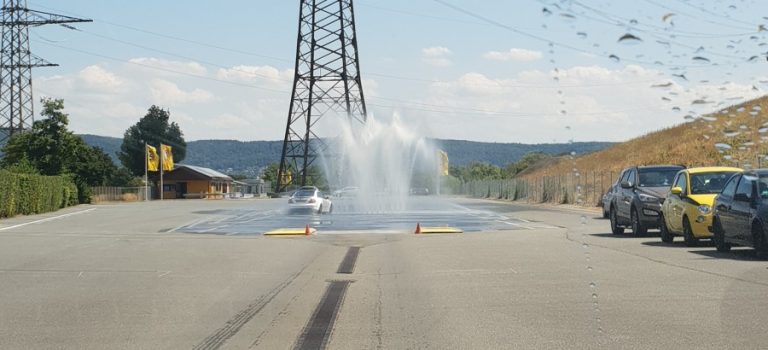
(305, 193)
(656, 178)
(709, 183)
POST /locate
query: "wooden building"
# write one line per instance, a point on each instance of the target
(189, 181)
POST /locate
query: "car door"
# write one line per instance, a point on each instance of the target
(627, 194)
(723, 205)
(741, 208)
(676, 205)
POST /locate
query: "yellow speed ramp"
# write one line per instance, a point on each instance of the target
(446, 229)
(291, 232)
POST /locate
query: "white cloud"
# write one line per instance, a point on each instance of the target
(597, 103)
(245, 73)
(170, 67)
(98, 78)
(167, 93)
(514, 54)
(436, 56)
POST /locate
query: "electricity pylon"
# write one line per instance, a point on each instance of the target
(17, 61)
(327, 79)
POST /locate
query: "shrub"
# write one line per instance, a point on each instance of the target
(33, 194)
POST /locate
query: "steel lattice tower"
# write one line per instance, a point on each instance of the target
(16, 63)
(327, 79)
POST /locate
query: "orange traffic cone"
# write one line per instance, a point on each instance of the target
(418, 228)
(307, 231)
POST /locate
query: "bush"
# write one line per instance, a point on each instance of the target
(33, 194)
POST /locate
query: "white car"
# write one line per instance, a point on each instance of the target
(309, 198)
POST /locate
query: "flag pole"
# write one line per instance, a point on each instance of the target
(161, 172)
(146, 173)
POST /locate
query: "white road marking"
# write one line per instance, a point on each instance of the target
(163, 274)
(47, 219)
(189, 224)
(514, 224)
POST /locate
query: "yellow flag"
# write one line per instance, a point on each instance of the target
(443, 162)
(287, 178)
(167, 157)
(153, 161)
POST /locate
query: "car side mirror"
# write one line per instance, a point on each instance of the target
(676, 190)
(626, 184)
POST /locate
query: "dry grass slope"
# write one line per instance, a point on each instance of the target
(690, 144)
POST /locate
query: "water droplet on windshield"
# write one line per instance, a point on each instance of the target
(629, 39)
(614, 58)
(582, 35)
(723, 146)
(546, 12)
(700, 59)
(592, 285)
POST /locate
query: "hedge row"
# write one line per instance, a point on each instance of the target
(33, 194)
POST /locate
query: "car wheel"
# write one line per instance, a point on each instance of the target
(320, 209)
(719, 237)
(688, 237)
(758, 239)
(615, 229)
(606, 214)
(666, 236)
(637, 227)
(330, 209)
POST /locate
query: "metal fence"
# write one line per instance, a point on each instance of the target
(118, 194)
(560, 189)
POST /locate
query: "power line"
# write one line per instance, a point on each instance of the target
(543, 39)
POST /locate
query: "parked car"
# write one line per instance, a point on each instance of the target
(687, 211)
(419, 191)
(610, 194)
(637, 204)
(311, 199)
(741, 212)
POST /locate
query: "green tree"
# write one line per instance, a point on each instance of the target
(153, 129)
(270, 172)
(528, 160)
(53, 150)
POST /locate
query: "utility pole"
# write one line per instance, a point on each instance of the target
(327, 80)
(17, 61)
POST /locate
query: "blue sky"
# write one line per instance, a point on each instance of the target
(447, 73)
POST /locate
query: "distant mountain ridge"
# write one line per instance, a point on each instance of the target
(249, 157)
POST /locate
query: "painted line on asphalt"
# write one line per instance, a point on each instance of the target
(514, 224)
(47, 219)
(190, 224)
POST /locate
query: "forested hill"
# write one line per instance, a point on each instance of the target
(248, 157)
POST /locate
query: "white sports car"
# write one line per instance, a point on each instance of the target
(309, 198)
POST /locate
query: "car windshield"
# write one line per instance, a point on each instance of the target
(656, 178)
(360, 174)
(709, 183)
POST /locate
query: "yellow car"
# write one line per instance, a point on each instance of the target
(687, 210)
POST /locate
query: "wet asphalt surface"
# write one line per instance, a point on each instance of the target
(348, 216)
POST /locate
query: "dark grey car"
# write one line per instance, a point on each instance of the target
(637, 204)
(741, 212)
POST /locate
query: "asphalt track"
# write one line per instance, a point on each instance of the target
(199, 274)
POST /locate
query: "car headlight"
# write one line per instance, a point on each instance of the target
(647, 198)
(704, 209)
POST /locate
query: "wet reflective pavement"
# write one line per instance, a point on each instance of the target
(427, 211)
